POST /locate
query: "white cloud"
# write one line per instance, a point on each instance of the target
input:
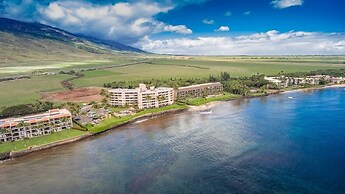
(181, 29)
(281, 4)
(223, 29)
(123, 22)
(268, 43)
(228, 13)
(207, 21)
(246, 13)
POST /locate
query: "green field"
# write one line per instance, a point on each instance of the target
(200, 101)
(25, 144)
(165, 68)
(110, 68)
(28, 90)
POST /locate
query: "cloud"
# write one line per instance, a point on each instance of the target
(281, 4)
(207, 21)
(246, 13)
(267, 43)
(228, 13)
(223, 29)
(126, 22)
(181, 29)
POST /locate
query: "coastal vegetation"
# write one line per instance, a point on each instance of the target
(201, 101)
(114, 121)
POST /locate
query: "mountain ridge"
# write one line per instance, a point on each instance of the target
(25, 37)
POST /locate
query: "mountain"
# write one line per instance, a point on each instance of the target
(33, 40)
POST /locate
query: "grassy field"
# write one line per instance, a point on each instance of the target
(200, 101)
(200, 67)
(28, 90)
(25, 144)
(163, 67)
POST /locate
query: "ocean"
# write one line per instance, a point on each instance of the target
(288, 143)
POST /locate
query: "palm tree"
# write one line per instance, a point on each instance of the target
(23, 125)
(3, 132)
(51, 126)
(40, 128)
(148, 97)
(64, 120)
(161, 98)
(105, 102)
(204, 93)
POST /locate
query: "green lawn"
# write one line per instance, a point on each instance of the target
(25, 144)
(111, 122)
(200, 101)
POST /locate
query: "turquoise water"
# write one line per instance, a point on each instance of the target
(274, 144)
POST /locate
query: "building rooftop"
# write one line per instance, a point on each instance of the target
(199, 86)
(142, 88)
(54, 113)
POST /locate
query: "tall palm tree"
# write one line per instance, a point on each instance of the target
(3, 132)
(40, 128)
(52, 126)
(23, 125)
(64, 120)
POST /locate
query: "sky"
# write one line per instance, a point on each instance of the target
(198, 27)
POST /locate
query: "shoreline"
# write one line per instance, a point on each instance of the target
(14, 154)
(215, 103)
(314, 88)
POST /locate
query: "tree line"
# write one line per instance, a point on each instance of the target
(25, 109)
(234, 85)
(330, 72)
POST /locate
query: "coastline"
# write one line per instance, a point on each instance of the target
(14, 154)
(314, 88)
(215, 103)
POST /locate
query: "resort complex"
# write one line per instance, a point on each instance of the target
(12, 129)
(142, 97)
(284, 82)
(200, 90)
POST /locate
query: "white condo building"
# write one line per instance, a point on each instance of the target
(12, 129)
(142, 97)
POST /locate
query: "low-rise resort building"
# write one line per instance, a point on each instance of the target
(142, 97)
(283, 82)
(55, 120)
(200, 90)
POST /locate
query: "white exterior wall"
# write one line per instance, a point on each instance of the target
(156, 98)
(142, 97)
(123, 97)
(27, 127)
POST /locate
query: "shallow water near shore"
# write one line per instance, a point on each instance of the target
(270, 144)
